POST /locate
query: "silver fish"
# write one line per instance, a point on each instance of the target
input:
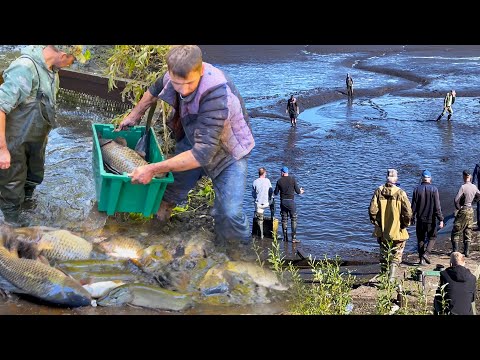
(122, 247)
(31, 277)
(146, 296)
(55, 244)
(118, 157)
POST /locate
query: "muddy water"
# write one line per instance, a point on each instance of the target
(340, 150)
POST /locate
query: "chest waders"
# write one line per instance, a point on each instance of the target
(27, 129)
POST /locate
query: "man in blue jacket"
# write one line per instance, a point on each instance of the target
(213, 137)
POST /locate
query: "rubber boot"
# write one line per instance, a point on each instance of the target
(466, 248)
(439, 117)
(454, 246)
(428, 251)
(29, 189)
(294, 230)
(449, 117)
(393, 269)
(260, 226)
(284, 227)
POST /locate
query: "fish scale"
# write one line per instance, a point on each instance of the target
(123, 247)
(41, 281)
(63, 245)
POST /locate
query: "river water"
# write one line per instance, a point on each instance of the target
(340, 150)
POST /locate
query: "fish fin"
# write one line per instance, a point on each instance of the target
(44, 246)
(110, 169)
(14, 252)
(66, 274)
(9, 242)
(43, 260)
(28, 250)
(120, 140)
(141, 153)
(104, 141)
(136, 263)
(86, 281)
(99, 239)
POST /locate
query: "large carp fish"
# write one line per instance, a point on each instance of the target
(118, 158)
(147, 296)
(27, 276)
(54, 244)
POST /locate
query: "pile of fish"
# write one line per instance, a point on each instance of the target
(62, 268)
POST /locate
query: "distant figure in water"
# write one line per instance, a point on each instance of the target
(262, 193)
(447, 104)
(349, 82)
(287, 187)
(293, 110)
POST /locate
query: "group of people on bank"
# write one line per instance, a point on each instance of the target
(263, 195)
(391, 213)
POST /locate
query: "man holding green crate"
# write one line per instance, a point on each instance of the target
(213, 138)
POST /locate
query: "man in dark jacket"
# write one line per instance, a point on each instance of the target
(426, 210)
(292, 110)
(349, 83)
(459, 291)
(287, 187)
(213, 138)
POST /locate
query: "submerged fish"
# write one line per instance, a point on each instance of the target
(63, 245)
(101, 288)
(261, 276)
(26, 276)
(220, 274)
(122, 247)
(146, 296)
(55, 244)
(118, 158)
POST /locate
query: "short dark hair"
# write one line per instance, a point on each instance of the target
(261, 171)
(183, 59)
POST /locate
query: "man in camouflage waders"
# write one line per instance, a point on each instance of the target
(27, 114)
(463, 224)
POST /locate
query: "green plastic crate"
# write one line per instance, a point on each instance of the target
(116, 193)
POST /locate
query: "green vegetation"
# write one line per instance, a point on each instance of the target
(387, 289)
(329, 292)
(141, 66)
(202, 195)
(443, 301)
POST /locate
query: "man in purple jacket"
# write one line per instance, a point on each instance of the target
(213, 138)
